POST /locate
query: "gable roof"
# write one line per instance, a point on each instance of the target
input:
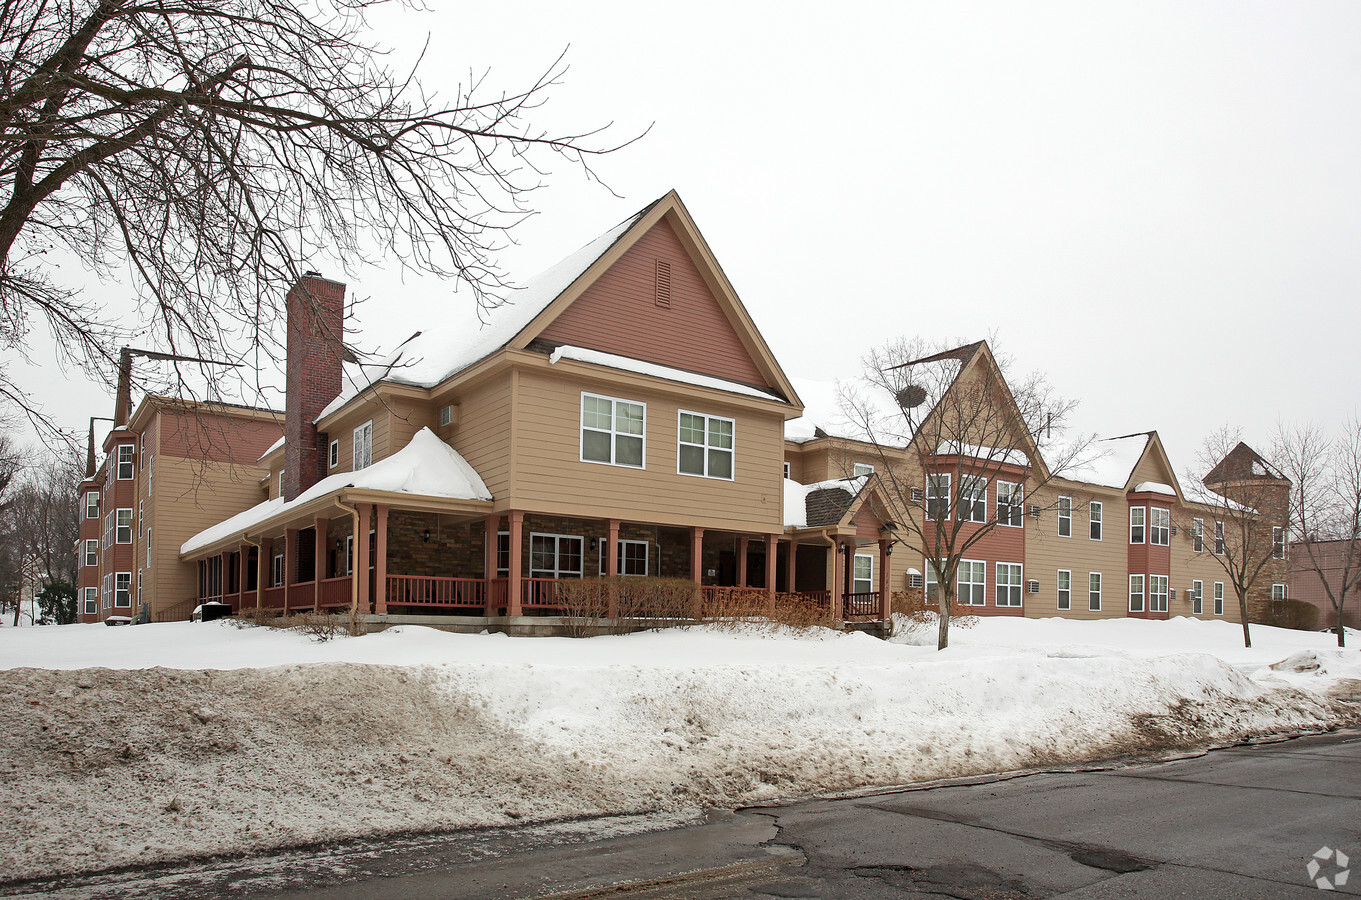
(1242, 463)
(461, 337)
(821, 504)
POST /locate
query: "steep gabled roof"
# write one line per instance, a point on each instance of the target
(1242, 463)
(821, 504)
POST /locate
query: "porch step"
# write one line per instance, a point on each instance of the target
(874, 628)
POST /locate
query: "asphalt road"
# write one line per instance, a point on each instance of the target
(1235, 823)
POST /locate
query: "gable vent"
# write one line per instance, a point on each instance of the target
(663, 284)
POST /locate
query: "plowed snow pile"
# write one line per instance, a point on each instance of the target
(132, 745)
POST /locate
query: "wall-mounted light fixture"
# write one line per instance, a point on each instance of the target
(425, 538)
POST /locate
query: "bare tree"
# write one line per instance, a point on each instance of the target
(1325, 507)
(944, 425)
(213, 149)
(1247, 498)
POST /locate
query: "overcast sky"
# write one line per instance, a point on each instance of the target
(1155, 204)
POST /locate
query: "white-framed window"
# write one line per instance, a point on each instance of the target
(1010, 511)
(973, 498)
(107, 594)
(150, 473)
(446, 415)
(281, 482)
(139, 585)
(142, 441)
(862, 574)
(1197, 597)
(1157, 593)
(632, 558)
(277, 571)
(938, 496)
(971, 582)
(109, 518)
(122, 583)
(1159, 526)
(1094, 520)
(148, 548)
(705, 445)
(1065, 517)
(1219, 539)
(1065, 588)
(1219, 598)
(613, 431)
(1094, 591)
(346, 565)
(786, 470)
(1137, 516)
(123, 526)
(1277, 593)
(861, 469)
(1198, 535)
(92, 504)
(555, 555)
(127, 457)
(502, 554)
(91, 552)
(91, 601)
(141, 517)
(334, 459)
(1136, 593)
(1278, 542)
(1009, 584)
(932, 583)
(363, 446)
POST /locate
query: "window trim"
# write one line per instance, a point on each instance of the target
(855, 579)
(1096, 513)
(334, 454)
(130, 462)
(1219, 539)
(1157, 599)
(364, 429)
(119, 527)
(1142, 525)
(148, 548)
(1219, 598)
(1014, 507)
(94, 505)
(1061, 602)
(91, 553)
(1065, 519)
(278, 570)
(786, 470)
(1197, 597)
(934, 478)
(1155, 529)
(1197, 535)
(122, 578)
(1277, 542)
(1139, 594)
(1284, 594)
(857, 467)
(1093, 595)
(1014, 591)
(605, 559)
(706, 447)
(977, 500)
(89, 596)
(982, 585)
(613, 433)
(557, 570)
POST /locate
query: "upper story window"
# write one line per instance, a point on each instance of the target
(1159, 525)
(281, 482)
(91, 552)
(1009, 504)
(786, 470)
(1219, 538)
(1065, 517)
(938, 496)
(862, 469)
(973, 499)
(363, 446)
(612, 431)
(150, 472)
(1278, 542)
(92, 504)
(1136, 524)
(126, 459)
(1198, 535)
(1094, 519)
(705, 446)
(1278, 593)
(123, 527)
(334, 459)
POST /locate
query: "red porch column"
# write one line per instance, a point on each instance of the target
(742, 544)
(885, 598)
(223, 563)
(290, 561)
(262, 565)
(491, 526)
(321, 526)
(380, 564)
(772, 564)
(361, 558)
(791, 565)
(697, 568)
(244, 566)
(838, 598)
(612, 566)
(516, 518)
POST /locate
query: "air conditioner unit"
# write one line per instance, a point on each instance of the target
(1174, 531)
(918, 495)
(1034, 512)
(914, 581)
(1171, 593)
(1033, 586)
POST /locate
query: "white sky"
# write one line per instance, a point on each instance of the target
(1155, 204)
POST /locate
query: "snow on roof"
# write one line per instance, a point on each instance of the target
(1013, 456)
(1154, 487)
(458, 337)
(796, 496)
(581, 354)
(819, 411)
(427, 466)
(1199, 493)
(1115, 462)
(272, 447)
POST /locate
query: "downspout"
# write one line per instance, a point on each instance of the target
(824, 532)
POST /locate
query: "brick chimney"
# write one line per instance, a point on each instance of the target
(316, 323)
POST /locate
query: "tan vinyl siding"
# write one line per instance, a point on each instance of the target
(482, 435)
(1047, 552)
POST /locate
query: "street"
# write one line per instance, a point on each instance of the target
(1243, 822)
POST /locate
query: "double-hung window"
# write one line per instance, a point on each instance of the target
(932, 594)
(1198, 535)
(1219, 598)
(1159, 525)
(126, 458)
(92, 552)
(705, 446)
(612, 431)
(363, 446)
(92, 504)
(148, 548)
(859, 469)
(150, 473)
(1136, 593)
(1009, 511)
(1219, 539)
(1157, 593)
(92, 601)
(938, 496)
(555, 556)
(971, 582)
(277, 571)
(334, 459)
(1278, 542)
(1094, 519)
(862, 577)
(1136, 524)
(1065, 583)
(1065, 517)
(973, 499)
(502, 554)
(1277, 593)
(109, 518)
(1094, 591)
(122, 584)
(1009, 584)
(1197, 597)
(632, 558)
(123, 526)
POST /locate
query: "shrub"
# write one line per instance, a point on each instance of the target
(911, 614)
(1294, 614)
(258, 615)
(319, 626)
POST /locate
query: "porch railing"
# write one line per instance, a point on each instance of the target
(861, 605)
(273, 598)
(335, 592)
(180, 612)
(423, 590)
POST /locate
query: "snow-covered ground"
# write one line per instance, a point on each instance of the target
(130, 745)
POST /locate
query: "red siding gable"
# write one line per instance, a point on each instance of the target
(624, 313)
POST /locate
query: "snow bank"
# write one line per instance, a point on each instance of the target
(162, 741)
